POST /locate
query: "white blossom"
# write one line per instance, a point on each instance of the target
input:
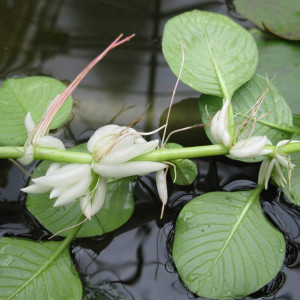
(251, 147)
(113, 147)
(37, 137)
(219, 125)
(274, 167)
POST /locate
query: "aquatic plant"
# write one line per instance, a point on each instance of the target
(224, 247)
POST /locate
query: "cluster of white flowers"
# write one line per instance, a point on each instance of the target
(253, 147)
(112, 148)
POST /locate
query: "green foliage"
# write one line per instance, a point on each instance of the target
(29, 94)
(219, 54)
(37, 270)
(279, 59)
(280, 17)
(224, 246)
(277, 120)
(116, 210)
(186, 170)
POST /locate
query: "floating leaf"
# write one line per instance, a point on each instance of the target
(219, 54)
(29, 94)
(224, 247)
(280, 59)
(116, 210)
(277, 121)
(293, 194)
(280, 17)
(37, 270)
(186, 170)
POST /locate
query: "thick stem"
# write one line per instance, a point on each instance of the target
(41, 153)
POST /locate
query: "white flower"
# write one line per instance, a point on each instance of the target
(113, 147)
(278, 161)
(251, 147)
(37, 137)
(219, 125)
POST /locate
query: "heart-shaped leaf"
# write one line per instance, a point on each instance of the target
(274, 115)
(224, 247)
(37, 270)
(219, 54)
(279, 59)
(186, 170)
(280, 17)
(29, 94)
(116, 210)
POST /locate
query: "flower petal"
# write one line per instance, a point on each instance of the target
(53, 168)
(161, 184)
(72, 174)
(262, 171)
(36, 189)
(76, 191)
(249, 148)
(122, 155)
(91, 206)
(29, 123)
(127, 169)
(28, 155)
(51, 142)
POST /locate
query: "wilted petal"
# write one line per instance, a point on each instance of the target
(279, 172)
(262, 171)
(36, 189)
(129, 152)
(250, 148)
(76, 191)
(127, 169)
(74, 173)
(269, 172)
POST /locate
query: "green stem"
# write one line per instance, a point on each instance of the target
(51, 154)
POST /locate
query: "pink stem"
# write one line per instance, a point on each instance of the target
(47, 119)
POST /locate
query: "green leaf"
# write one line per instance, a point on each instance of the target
(116, 210)
(277, 121)
(29, 94)
(280, 59)
(296, 120)
(37, 270)
(293, 194)
(280, 17)
(186, 170)
(219, 54)
(224, 247)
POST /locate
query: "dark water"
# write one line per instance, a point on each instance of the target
(58, 38)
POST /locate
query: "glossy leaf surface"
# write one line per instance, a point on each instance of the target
(23, 95)
(219, 54)
(224, 246)
(33, 271)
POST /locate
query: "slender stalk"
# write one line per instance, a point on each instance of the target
(51, 154)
